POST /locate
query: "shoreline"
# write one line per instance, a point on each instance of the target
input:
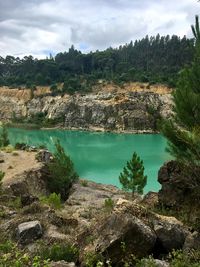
(92, 129)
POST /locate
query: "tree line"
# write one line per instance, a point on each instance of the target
(152, 59)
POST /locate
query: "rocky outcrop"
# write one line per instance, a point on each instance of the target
(178, 185)
(130, 111)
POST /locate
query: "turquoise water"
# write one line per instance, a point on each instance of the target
(101, 156)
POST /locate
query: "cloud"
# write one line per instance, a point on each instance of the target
(38, 26)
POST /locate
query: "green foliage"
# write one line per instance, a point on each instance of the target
(156, 58)
(93, 260)
(183, 131)
(2, 174)
(12, 256)
(62, 173)
(180, 259)
(58, 252)
(109, 204)
(133, 178)
(54, 200)
(84, 183)
(4, 141)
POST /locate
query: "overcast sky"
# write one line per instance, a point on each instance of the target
(41, 27)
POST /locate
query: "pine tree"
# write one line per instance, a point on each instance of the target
(62, 173)
(183, 130)
(133, 178)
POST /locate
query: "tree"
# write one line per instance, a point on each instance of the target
(4, 141)
(183, 130)
(133, 178)
(62, 173)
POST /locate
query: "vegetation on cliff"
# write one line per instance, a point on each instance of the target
(152, 59)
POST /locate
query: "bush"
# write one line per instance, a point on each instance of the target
(4, 141)
(54, 200)
(133, 178)
(62, 173)
(109, 204)
(60, 252)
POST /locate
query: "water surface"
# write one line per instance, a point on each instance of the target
(101, 156)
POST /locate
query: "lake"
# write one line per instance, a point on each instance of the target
(100, 157)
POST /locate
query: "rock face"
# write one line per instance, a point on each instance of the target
(28, 232)
(131, 111)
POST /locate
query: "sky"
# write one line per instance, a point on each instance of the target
(41, 27)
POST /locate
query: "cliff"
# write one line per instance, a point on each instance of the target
(108, 110)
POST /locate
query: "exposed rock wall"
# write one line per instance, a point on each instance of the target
(131, 111)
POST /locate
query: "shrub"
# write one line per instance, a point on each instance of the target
(54, 200)
(60, 252)
(62, 173)
(109, 204)
(133, 178)
(4, 141)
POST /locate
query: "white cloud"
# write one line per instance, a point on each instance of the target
(39, 26)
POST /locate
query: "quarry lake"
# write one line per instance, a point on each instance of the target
(100, 157)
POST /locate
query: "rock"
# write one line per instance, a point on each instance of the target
(150, 199)
(176, 186)
(159, 263)
(28, 232)
(170, 233)
(192, 241)
(155, 263)
(104, 111)
(28, 200)
(62, 264)
(126, 229)
(44, 156)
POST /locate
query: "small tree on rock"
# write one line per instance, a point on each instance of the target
(62, 173)
(132, 178)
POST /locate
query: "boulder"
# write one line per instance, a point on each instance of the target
(192, 241)
(118, 230)
(28, 200)
(27, 232)
(44, 156)
(170, 233)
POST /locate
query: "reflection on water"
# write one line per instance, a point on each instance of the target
(101, 156)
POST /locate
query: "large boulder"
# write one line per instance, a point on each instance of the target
(122, 234)
(192, 241)
(28, 232)
(170, 233)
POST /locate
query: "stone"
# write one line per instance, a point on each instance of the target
(170, 233)
(192, 241)
(150, 199)
(119, 229)
(155, 263)
(44, 156)
(28, 232)
(28, 200)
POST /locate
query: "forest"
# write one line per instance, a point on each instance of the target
(152, 59)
